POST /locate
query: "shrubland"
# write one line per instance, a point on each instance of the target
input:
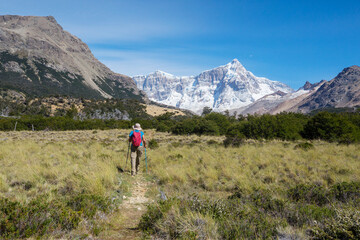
(259, 190)
(286, 176)
(60, 184)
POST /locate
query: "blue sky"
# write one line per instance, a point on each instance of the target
(290, 41)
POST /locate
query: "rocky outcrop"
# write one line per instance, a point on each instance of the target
(39, 58)
(342, 91)
(227, 87)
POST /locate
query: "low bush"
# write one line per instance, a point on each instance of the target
(345, 191)
(346, 225)
(304, 146)
(313, 194)
(232, 220)
(316, 194)
(89, 204)
(258, 214)
(42, 216)
(36, 218)
(153, 144)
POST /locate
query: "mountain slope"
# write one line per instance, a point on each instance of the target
(39, 58)
(223, 88)
(342, 91)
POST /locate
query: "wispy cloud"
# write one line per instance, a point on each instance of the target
(134, 63)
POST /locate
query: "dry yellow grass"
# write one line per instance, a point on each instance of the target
(88, 160)
(34, 163)
(269, 165)
(154, 110)
(79, 161)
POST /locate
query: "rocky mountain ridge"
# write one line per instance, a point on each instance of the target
(38, 57)
(343, 91)
(226, 87)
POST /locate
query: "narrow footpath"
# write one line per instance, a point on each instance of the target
(132, 209)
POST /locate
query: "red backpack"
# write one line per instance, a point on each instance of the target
(136, 139)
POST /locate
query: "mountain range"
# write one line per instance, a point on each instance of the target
(39, 58)
(226, 87)
(232, 88)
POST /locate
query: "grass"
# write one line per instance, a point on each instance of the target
(262, 189)
(70, 171)
(271, 165)
(250, 191)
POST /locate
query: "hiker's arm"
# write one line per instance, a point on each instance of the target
(129, 139)
(144, 141)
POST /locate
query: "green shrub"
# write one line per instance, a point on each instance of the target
(153, 214)
(42, 216)
(301, 214)
(345, 192)
(314, 194)
(153, 144)
(36, 218)
(304, 146)
(346, 225)
(89, 204)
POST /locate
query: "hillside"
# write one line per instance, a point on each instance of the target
(39, 58)
(341, 92)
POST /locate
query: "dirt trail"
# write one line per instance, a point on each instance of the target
(132, 209)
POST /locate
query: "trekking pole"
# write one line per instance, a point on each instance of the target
(146, 162)
(127, 155)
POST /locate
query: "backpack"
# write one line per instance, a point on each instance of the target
(136, 139)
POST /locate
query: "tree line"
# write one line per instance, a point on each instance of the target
(339, 127)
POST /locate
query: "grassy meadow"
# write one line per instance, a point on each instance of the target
(68, 185)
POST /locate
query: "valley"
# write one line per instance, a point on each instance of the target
(230, 155)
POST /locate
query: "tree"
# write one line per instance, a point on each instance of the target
(221, 121)
(206, 110)
(331, 127)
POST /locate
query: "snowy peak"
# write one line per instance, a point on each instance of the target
(162, 73)
(235, 66)
(223, 88)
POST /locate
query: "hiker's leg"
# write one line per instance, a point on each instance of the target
(138, 157)
(133, 160)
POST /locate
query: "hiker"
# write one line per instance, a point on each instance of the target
(138, 143)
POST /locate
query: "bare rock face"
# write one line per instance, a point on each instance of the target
(39, 58)
(342, 91)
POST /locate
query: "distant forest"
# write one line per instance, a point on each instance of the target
(343, 127)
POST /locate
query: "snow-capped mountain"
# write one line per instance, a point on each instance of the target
(224, 88)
